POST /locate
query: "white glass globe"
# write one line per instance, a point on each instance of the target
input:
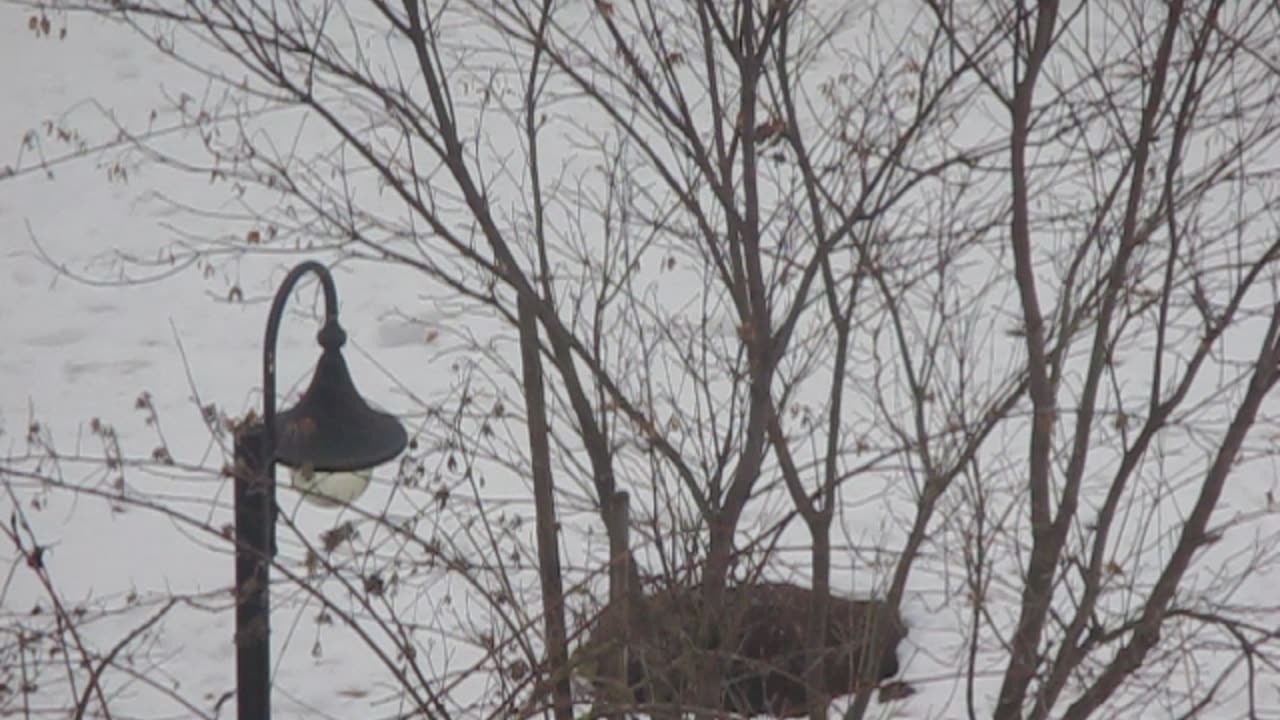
(330, 489)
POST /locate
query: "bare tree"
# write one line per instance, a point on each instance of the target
(989, 288)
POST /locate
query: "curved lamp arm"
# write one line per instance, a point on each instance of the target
(330, 328)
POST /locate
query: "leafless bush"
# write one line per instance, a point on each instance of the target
(762, 656)
(982, 293)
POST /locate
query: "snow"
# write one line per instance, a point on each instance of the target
(75, 352)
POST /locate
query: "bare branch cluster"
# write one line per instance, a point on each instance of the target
(968, 304)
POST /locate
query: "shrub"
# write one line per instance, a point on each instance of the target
(759, 641)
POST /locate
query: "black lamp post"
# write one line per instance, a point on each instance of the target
(331, 430)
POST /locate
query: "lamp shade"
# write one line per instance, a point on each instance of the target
(332, 428)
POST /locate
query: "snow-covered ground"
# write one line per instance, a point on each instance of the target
(79, 351)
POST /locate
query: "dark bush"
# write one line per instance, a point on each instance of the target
(759, 642)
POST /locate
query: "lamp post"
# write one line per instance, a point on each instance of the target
(331, 439)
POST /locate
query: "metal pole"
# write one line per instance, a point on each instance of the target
(254, 502)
